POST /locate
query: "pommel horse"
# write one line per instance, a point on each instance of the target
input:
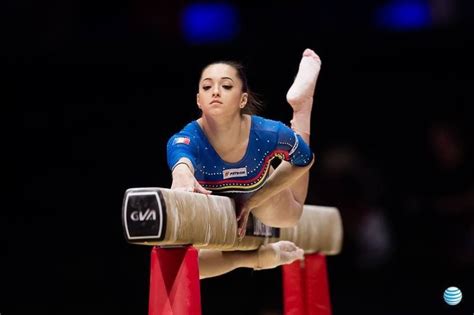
(175, 224)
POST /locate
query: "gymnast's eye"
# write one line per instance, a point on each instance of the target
(206, 87)
(227, 87)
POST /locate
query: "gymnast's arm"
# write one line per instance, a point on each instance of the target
(297, 162)
(278, 186)
(183, 177)
(282, 178)
(180, 155)
(284, 184)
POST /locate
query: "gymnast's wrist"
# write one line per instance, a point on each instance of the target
(183, 165)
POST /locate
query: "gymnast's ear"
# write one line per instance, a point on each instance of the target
(197, 100)
(243, 100)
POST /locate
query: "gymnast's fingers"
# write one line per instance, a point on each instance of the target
(183, 188)
(198, 188)
(242, 222)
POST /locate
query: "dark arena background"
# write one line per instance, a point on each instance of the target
(93, 89)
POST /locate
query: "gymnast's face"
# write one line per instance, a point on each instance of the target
(220, 91)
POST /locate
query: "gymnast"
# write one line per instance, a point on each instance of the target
(229, 149)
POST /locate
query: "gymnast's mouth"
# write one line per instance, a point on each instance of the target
(216, 102)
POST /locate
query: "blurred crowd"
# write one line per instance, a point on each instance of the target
(407, 222)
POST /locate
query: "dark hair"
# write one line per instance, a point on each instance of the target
(254, 105)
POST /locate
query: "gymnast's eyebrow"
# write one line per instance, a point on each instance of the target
(223, 78)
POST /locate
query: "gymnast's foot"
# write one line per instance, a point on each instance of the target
(276, 254)
(300, 94)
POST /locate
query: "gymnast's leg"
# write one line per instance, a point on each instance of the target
(214, 262)
(285, 209)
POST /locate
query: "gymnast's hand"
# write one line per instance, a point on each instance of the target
(184, 180)
(242, 220)
(243, 215)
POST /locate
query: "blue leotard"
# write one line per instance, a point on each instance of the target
(269, 139)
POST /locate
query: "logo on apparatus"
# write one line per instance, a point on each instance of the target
(148, 215)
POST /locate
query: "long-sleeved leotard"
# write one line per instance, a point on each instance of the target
(269, 139)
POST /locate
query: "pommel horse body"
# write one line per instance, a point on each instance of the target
(176, 224)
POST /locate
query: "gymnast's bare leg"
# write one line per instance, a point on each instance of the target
(285, 209)
(215, 263)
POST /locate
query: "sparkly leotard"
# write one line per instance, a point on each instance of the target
(269, 139)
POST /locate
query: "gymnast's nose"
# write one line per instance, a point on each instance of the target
(215, 90)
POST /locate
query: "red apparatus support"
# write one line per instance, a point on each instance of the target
(174, 281)
(305, 287)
